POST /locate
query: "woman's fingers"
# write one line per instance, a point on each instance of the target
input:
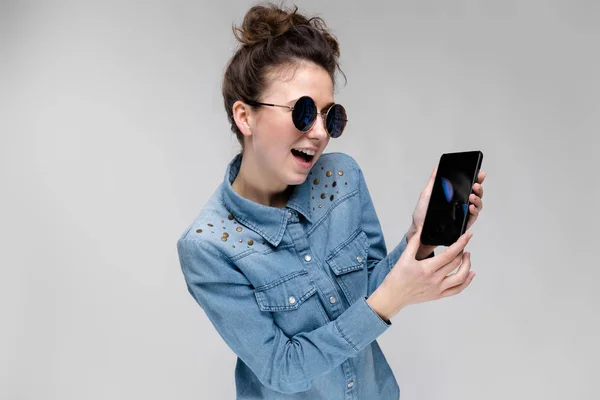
(474, 211)
(451, 266)
(445, 257)
(476, 200)
(460, 276)
(457, 289)
(481, 177)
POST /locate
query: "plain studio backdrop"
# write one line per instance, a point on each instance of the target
(113, 137)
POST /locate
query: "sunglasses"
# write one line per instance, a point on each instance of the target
(304, 115)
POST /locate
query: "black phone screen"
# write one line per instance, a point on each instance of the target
(446, 217)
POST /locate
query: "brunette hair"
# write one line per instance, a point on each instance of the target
(272, 37)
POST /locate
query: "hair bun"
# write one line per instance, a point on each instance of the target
(264, 22)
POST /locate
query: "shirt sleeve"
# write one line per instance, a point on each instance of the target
(285, 364)
(379, 262)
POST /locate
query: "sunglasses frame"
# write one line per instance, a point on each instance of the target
(323, 113)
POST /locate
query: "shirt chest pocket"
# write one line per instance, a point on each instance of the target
(349, 264)
(292, 302)
(286, 293)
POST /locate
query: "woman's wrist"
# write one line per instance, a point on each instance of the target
(380, 302)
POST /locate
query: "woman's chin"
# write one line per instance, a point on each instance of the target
(297, 178)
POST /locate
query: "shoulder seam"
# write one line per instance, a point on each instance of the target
(207, 246)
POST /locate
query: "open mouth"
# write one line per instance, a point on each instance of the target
(302, 155)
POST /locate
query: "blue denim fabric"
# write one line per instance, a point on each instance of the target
(286, 288)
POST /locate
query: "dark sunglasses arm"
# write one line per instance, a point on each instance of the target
(291, 108)
(257, 103)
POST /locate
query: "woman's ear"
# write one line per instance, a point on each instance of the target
(242, 117)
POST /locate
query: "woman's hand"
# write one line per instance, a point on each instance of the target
(412, 281)
(418, 217)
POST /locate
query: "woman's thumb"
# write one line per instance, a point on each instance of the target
(415, 241)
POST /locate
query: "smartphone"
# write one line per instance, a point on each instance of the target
(448, 209)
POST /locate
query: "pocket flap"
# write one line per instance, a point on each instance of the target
(286, 293)
(350, 256)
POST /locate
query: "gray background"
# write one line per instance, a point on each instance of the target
(113, 137)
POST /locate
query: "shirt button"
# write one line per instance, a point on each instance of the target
(292, 300)
(350, 384)
(289, 216)
(359, 259)
(332, 299)
(307, 258)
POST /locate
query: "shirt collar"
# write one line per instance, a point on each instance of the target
(269, 222)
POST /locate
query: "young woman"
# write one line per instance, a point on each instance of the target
(287, 259)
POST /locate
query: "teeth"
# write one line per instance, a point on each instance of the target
(309, 152)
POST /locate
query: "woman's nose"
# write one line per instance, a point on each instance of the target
(318, 130)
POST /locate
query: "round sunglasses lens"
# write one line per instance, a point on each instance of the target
(304, 114)
(336, 120)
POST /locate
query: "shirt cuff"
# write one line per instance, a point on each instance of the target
(359, 325)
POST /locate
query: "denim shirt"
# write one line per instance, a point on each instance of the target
(286, 288)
